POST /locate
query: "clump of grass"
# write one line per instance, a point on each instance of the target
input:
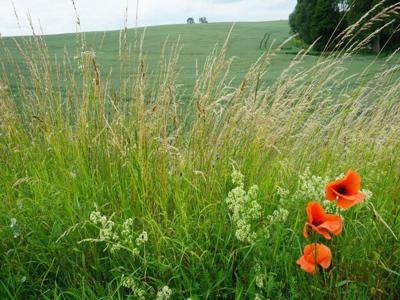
(72, 144)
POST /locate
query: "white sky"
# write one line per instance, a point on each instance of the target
(58, 16)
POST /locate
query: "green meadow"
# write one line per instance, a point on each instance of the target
(177, 162)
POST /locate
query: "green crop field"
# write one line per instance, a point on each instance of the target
(197, 42)
(179, 163)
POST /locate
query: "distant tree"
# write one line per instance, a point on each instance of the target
(300, 19)
(325, 23)
(190, 20)
(321, 21)
(203, 20)
(390, 35)
(316, 19)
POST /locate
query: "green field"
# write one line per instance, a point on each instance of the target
(129, 173)
(197, 42)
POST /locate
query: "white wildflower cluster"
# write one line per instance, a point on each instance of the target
(244, 207)
(116, 236)
(331, 208)
(106, 233)
(138, 292)
(260, 276)
(260, 281)
(127, 228)
(96, 217)
(283, 195)
(237, 178)
(311, 187)
(164, 294)
(142, 238)
(257, 296)
(279, 216)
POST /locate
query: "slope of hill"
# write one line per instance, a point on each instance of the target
(197, 41)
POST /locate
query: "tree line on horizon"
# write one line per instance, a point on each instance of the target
(320, 22)
(202, 20)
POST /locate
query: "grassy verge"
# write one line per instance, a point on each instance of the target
(120, 192)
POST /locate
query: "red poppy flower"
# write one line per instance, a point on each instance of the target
(345, 190)
(321, 222)
(314, 255)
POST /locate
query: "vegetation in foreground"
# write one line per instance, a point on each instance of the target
(131, 193)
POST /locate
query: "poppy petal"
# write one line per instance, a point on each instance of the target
(315, 254)
(358, 197)
(330, 190)
(349, 201)
(352, 182)
(324, 255)
(336, 193)
(308, 249)
(333, 224)
(306, 265)
(324, 232)
(321, 222)
(344, 204)
(326, 262)
(330, 193)
(315, 211)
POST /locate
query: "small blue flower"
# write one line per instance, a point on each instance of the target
(218, 156)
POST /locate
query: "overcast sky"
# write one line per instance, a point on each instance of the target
(58, 16)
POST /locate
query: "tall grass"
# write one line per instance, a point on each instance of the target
(71, 144)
